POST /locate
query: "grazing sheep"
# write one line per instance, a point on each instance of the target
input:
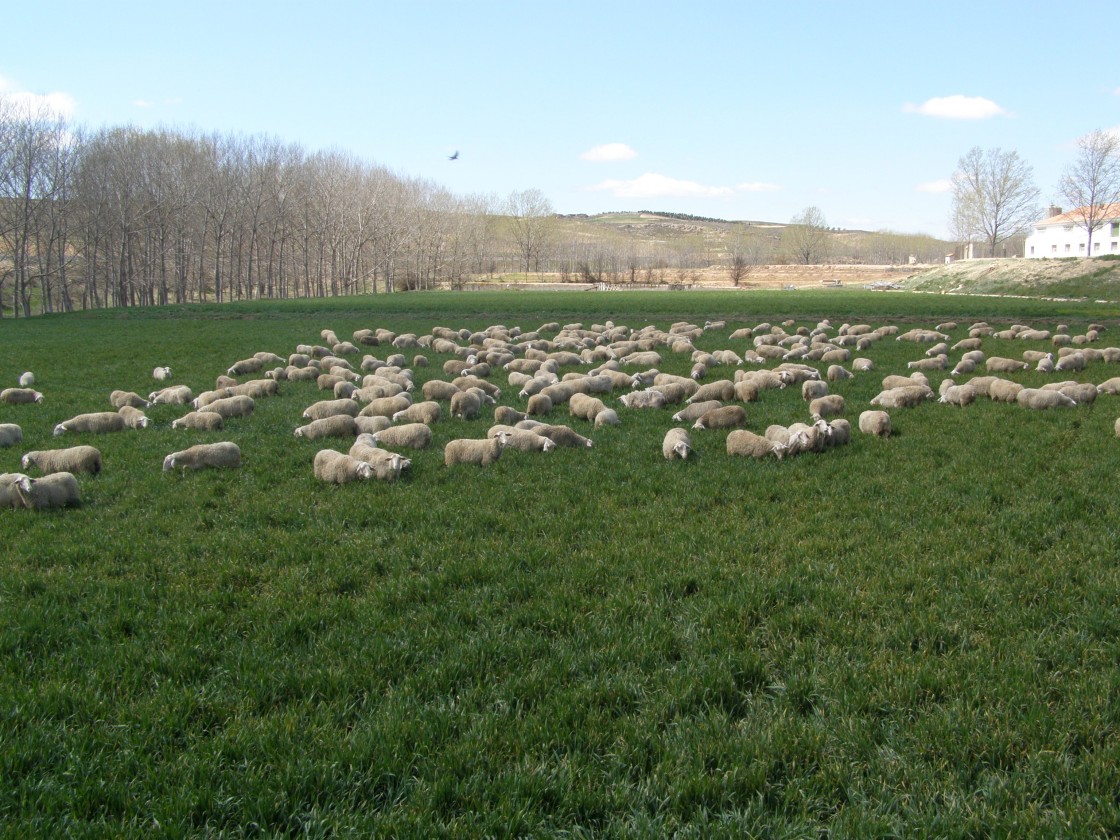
(134, 418)
(427, 412)
(508, 415)
(724, 417)
(1004, 390)
(877, 423)
(119, 399)
(334, 425)
(961, 395)
(939, 362)
(696, 410)
(836, 373)
(1001, 364)
(746, 443)
(607, 417)
(173, 395)
(76, 459)
(202, 455)
(808, 438)
(26, 379)
(9, 493)
(58, 489)
(467, 405)
(206, 397)
(338, 468)
(1038, 399)
(540, 405)
(563, 436)
(479, 452)
(240, 406)
(839, 434)
(161, 373)
(10, 434)
(674, 392)
(643, 399)
(523, 440)
(862, 365)
(256, 388)
(584, 407)
(330, 408)
(813, 388)
(410, 435)
(97, 423)
(1110, 386)
(827, 406)
(387, 466)
(224, 382)
(720, 389)
(1081, 393)
(204, 421)
(1071, 362)
(676, 444)
(962, 367)
(904, 397)
(371, 425)
(20, 396)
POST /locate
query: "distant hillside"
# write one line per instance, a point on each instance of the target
(1096, 278)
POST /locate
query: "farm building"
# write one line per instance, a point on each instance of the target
(1063, 235)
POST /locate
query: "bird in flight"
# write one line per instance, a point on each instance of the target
(454, 156)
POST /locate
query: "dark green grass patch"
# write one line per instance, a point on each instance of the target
(911, 636)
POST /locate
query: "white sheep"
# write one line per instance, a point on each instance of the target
(904, 397)
(508, 415)
(10, 434)
(839, 433)
(724, 417)
(837, 373)
(118, 399)
(720, 389)
(20, 396)
(58, 489)
(202, 455)
(877, 423)
(134, 418)
(1004, 390)
(204, 421)
(427, 412)
(387, 466)
(523, 440)
(330, 408)
(643, 399)
(339, 468)
(26, 379)
(410, 435)
(239, 368)
(607, 417)
(961, 395)
(239, 406)
(694, 411)
(743, 442)
(827, 406)
(1070, 362)
(1038, 399)
(813, 388)
(1001, 364)
(9, 493)
(161, 373)
(676, 444)
(76, 459)
(98, 422)
(540, 405)
(585, 406)
(335, 425)
(479, 452)
(563, 435)
(172, 395)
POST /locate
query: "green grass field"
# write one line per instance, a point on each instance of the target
(917, 636)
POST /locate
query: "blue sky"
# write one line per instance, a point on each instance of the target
(735, 110)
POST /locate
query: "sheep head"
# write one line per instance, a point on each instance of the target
(59, 429)
(169, 463)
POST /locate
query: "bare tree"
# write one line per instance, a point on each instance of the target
(994, 197)
(745, 250)
(807, 237)
(530, 214)
(1091, 184)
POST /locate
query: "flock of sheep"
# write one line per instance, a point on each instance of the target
(371, 401)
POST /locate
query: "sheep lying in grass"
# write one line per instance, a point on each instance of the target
(203, 421)
(724, 417)
(339, 468)
(119, 399)
(20, 396)
(56, 490)
(1038, 399)
(523, 440)
(743, 442)
(563, 436)
(172, 395)
(387, 466)
(676, 444)
(76, 459)
(644, 399)
(161, 373)
(203, 455)
(478, 452)
(10, 434)
(99, 422)
(410, 435)
(877, 423)
(336, 425)
(905, 397)
(134, 418)
(26, 379)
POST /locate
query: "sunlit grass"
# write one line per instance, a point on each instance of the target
(911, 636)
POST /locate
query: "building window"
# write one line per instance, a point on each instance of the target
(1096, 246)
(1113, 246)
(1053, 249)
(1116, 228)
(1067, 247)
(1081, 247)
(1032, 250)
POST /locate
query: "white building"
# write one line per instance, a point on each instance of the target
(1061, 235)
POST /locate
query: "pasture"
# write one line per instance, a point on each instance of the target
(917, 635)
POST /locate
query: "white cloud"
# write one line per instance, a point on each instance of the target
(940, 186)
(653, 185)
(609, 152)
(61, 104)
(957, 107)
(141, 103)
(757, 187)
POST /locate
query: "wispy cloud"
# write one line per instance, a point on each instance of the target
(653, 185)
(61, 104)
(757, 187)
(141, 103)
(940, 186)
(609, 152)
(957, 107)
